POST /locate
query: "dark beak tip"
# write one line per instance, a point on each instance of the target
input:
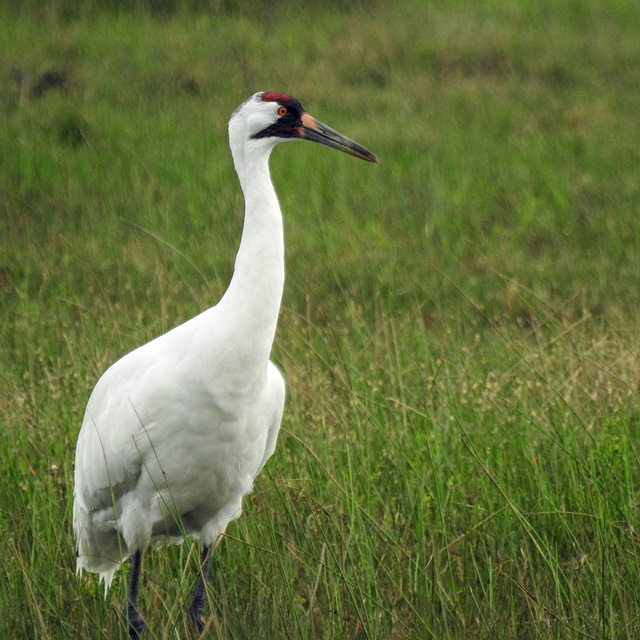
(369, 157)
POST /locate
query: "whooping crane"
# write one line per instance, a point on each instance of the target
(175, 432)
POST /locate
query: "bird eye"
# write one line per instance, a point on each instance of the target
(282, 111)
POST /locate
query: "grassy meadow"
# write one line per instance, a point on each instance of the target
(460, 452)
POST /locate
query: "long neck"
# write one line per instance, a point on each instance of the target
(251, 304)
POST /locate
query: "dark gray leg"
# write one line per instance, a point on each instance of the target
(200, 592)
(131, 611)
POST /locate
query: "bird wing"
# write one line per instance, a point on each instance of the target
(277, 389)
(109, 449)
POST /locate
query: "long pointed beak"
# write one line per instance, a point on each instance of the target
(313, 130)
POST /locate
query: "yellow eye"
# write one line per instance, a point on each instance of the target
(282, 111)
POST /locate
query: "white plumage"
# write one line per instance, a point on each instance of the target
(175, 432)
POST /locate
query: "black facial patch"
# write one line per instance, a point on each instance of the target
(286, 126)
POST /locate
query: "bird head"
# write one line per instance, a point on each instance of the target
(268, 118)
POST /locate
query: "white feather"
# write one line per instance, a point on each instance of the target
(175, 432)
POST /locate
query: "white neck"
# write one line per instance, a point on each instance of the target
(249, 309)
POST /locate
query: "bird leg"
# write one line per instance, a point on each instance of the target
(199, 594)
(131, 611)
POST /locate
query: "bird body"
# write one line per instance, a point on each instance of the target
(175, 432)
(181, 450)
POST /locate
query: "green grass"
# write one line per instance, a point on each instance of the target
(460, 449)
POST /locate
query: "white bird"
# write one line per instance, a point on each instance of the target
(175, 432)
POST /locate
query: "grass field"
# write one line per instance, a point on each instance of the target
(460, 330)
